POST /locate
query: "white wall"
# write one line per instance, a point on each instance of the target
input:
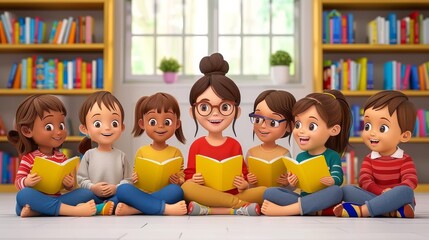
(129, 93)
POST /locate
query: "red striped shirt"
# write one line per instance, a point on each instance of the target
(26, 164)
(387, 172)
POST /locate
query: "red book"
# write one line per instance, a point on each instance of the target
(344, 29)
(403, 32)
(89, 75)
(78, 83)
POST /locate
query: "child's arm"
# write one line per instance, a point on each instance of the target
(83, 179)
(190, 169)
(128, 171)
(23, 177)
(366, 178)
(408, 173)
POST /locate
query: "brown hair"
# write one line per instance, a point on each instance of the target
(395, 101)
(33, 106)
(101, 97)
(214, 68)
(333, 108)
(162, 102)
(280, 102)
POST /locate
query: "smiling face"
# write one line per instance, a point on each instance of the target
(48, 132)
(103, 126)
(159, 126)
(381, 131)
(214, 122)
(311, 132)
(267, 132)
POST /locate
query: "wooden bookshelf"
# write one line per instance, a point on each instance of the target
(50, 10)
(7, 188)
(364, 10)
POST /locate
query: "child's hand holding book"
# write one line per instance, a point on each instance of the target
(68, 181)
(198, 178)
(32, 179)
(240, 183)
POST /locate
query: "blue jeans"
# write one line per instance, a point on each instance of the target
(150, 204)
(310, 203)
(50, 205)
(379, 204)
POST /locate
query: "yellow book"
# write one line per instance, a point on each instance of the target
(309, 172)
(52, 173)
(154, 175)
(267, 171)
(363, 73)
(60, 73)
(219, 174)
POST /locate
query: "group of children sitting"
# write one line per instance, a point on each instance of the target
(319, 124)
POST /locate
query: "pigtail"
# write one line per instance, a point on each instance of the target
(85, 145)
(138, 114)
(340, 142)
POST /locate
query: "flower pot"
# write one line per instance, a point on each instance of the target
(170, 77)
(280, 74)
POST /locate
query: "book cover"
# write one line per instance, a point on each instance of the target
(154, 175)
(52, 173)
(219, 174)
(267, 171)
(309, 172)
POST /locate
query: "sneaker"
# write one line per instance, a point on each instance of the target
(405, 211)
(250, 209)
(196, 209)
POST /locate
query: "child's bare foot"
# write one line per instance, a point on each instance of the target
(176, 209)
(271, 209)
(27, 212)
(123, 209)
(81, 210)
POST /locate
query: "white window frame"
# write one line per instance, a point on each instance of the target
(212, 47)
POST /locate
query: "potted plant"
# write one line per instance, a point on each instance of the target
(280, 62)
(170, 67)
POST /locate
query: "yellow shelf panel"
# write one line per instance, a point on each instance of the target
(46, 47)
(423, 187)
(68, 139)
(54, 4)
(48, 91)
(414, 93)
(374, 4)
(380, 48)
(412, 140)
(8, 188)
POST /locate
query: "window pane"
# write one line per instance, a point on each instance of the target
(256, 59)
(256, 16)
(230, 48)
(283, 17)
(142, 17)
(196, 13)
(195, 48)
(287, 44)
(168, 47)
(229, 16)
(142, 53)
(169, 17)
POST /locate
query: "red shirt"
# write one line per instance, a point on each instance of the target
(387, 172)
(228, 149)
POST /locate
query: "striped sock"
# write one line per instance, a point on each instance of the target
(104, 208)
(348, 209)
(405, 211)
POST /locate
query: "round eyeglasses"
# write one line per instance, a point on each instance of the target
(204, 108)
(259, 120)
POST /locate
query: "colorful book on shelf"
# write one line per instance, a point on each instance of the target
(12, 74)
(154, 175)
(267, 171)
(219, 174)
(309, 172)
(52, 173)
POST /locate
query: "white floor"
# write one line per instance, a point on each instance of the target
(212, 227)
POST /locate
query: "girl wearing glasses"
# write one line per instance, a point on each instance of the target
(215, 100)
(272, 119)
(322, 127)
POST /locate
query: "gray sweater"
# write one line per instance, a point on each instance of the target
(97, 166)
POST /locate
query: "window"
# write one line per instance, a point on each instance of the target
(244, 31)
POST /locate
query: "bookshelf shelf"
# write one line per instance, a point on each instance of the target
(376, 48)
(68, 139)
(374, 4)
(7, 188)
(413, 93)
(45, 47)
(47, 91)
(413, 140)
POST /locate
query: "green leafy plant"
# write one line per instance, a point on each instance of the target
(280, 58)
(169, 65)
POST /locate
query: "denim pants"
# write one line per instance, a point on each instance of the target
(310, 203)
(379, 204)
(149, 203)
(50, 205)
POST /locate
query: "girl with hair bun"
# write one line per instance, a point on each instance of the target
(215, 101)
